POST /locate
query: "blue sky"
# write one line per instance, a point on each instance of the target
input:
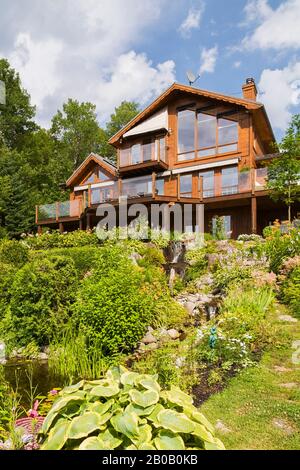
(105, 51)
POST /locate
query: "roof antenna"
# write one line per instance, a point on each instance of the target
(191, 77)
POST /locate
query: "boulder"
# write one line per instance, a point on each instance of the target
(149, 338)
(174, 334)
(190, 307)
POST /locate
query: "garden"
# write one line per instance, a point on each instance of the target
(103, 349)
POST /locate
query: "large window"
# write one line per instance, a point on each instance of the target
(222, 224)
(208, 183)
(230, 180)
(202, 135)
(147, 150)
(186, 185)
(160, 184)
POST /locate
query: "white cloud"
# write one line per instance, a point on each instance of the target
(36, 63)
(280, 92)
(277, 28)
(208, 60)
(192, 21)
(237, 64)
(80, 50)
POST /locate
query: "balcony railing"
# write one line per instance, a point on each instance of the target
(59, 210)
(137, 187)
(152, 151)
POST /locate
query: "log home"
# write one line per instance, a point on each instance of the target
(189, 146)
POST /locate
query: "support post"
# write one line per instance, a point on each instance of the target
(81, 224)
(200, 193)
(36, 214)
(39, 229)
(89, 195)
(254, 215)
(88, 221)
(153, 184)
(61, 227)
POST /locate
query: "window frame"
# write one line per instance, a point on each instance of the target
(197, 149)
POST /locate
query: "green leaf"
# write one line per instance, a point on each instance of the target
(146, 446)
(144, 399)
(72, 388)
(139, 410)
(110, 439)
(126, 424)
(84, 425)
(92, 443)
(177, 397)
(48, 421)
(61, 402)
(149, 383)
(200, 418)
(99, 407)
(128, 378)
(200, 431)
(153, 416)
(57, 436)
(217, 445)
(107, 389)
(167, 440)
(145, 435)
(176, 422)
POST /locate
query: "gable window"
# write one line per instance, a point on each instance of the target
(102, 176)
(203, 135)
(147, 150)
(186, 185)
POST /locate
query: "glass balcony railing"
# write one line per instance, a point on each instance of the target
(220, 184)
(261, 176)
(137, 187)
(104, 194)
(154, 150)
(59, 210)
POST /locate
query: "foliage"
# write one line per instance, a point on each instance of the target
(125, 410)
(17, 113)
(279, 247)
(198, 264)
(7, 272)
(249, 238)
(13, 252)
(284, 170)
(41, 295)
(290, 290)
(115, 305)
(84, 257)
(55, 239)
(218, 229)
(76, 133)
(4, 405)
(121, 116)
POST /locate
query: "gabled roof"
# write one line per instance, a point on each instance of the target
(92, 157)
(162, 100)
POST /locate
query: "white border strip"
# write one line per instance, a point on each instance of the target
(200, 167)
(95, 185)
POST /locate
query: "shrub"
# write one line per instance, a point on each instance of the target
(279, 247)
(42, 292)
(290, 290)
(7, 272)
(126, 410)
(84, 257)
(249, 238)
(198, 264)
(13, 252)
(54, 239)
(114, 305)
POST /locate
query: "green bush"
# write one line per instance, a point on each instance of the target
(7, 272)
(129, 411)
(115, 305)
(84, 257)
(198, 264)
(41, 295)
(13, 252)
(279, 247)
(56, 240)
(290, 290)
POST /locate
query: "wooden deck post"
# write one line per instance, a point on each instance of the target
(88, 221)
(200, 192)
(61, 227)
(36, 214)
(89, 195)
(39, 229)
(153, 184)
(254, 215)
(81, 224)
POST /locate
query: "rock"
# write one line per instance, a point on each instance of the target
(221, 427)
(287, 318)
(150, 329)
(190, 307)
(149, 338)
(205, 299)
(282, 369)
(289, 385)
(151, 346)
(46, 350)
(42, 356)
(211, 259)
(174, 334)
(180, 361)
(283, 425)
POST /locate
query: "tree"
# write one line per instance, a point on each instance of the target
(76, 133)
(284, 170)
(16, 116)
(122, 115)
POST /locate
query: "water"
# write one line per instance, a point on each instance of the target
(18, 373)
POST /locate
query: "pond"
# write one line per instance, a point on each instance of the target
(30, 376)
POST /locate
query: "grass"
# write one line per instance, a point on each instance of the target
(260, 413)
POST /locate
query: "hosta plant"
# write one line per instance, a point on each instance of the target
(125, 410)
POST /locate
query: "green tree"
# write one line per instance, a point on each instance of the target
(121, 116)
(16, 116)
(76, 133)
(284, 170)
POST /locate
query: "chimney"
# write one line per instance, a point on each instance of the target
(249, 89)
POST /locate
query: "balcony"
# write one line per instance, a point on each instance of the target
(143, 157)
(58, 211)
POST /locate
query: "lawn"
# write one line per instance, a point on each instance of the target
(260, 408)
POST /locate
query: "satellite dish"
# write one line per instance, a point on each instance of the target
(2, 92)
(191, 77)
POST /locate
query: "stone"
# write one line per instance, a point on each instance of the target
(43, 356)
(151, 346)
(179, 362)
(289, 385)
(287, 318)
(190, 307)
(282, 369)
(283, 425)
(174, 334)
(221, 427)
(149, 338)
(205, 299)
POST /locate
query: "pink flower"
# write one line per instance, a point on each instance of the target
(53, 392)
(33, 413)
